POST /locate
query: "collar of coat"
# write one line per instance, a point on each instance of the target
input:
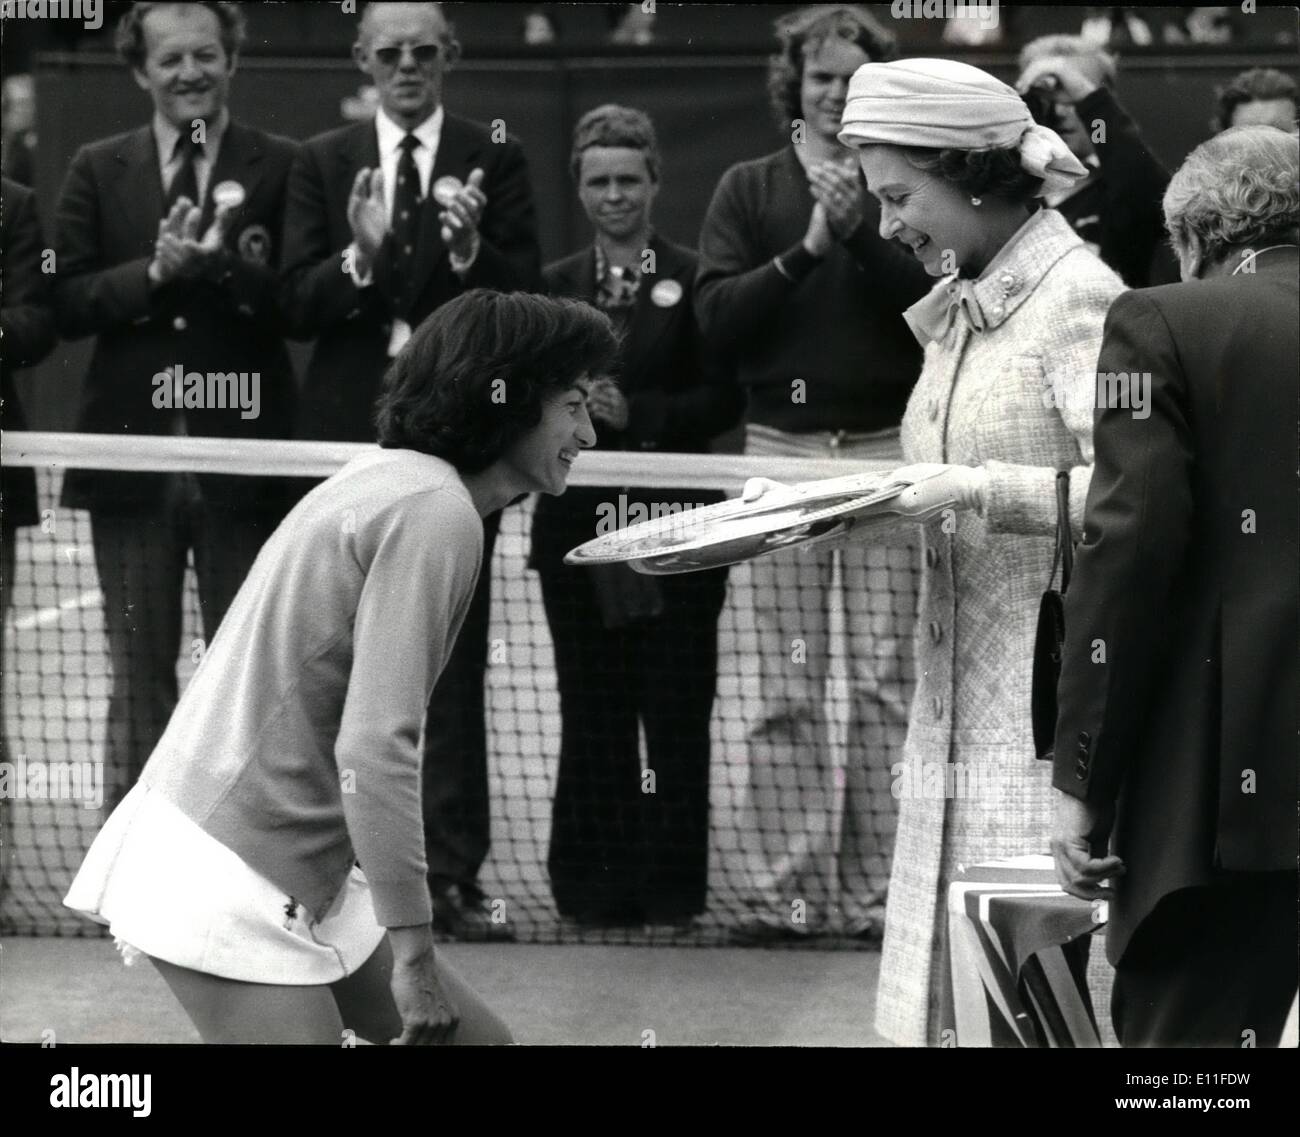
(1006, 282)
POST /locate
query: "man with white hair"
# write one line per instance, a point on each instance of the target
(1177, 717)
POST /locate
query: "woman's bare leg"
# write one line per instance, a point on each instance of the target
(365, 1003)
(227, 1010)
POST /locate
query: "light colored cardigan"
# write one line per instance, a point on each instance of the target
(1017, 399)
(296, 744)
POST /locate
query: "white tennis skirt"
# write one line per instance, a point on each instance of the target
(170, 890)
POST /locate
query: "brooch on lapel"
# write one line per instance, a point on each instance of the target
(445, 190)
(1008, 286)
(254, 245)
(228, 195)
(666, 293)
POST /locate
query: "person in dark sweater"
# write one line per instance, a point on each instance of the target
(632, 653)
(799, 292)
(1069, 85)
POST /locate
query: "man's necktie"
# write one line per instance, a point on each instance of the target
(405, 225)
(186, 181)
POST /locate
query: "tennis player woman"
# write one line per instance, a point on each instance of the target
(270, 861)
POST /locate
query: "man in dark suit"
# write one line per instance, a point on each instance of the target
(1177, 720)
(167, 242)
(27, 334)
(387, 220)
(631, 652)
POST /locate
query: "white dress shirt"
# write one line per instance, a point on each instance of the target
(169, 162)
(429, 133)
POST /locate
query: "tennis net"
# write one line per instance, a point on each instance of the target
(807, 720)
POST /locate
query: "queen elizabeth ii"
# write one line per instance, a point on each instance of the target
(1011, 334)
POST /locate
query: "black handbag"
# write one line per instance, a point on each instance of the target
(1049, 639)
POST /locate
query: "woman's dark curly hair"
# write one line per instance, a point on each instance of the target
(995, 173)
(471, 380)
(801, 33)
(130, 29)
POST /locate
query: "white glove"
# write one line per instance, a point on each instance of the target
(937, 486)
(776, 492)
(940, 486)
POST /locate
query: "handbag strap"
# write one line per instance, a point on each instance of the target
(1064, 555)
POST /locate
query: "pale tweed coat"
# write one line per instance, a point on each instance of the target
(1018, 399)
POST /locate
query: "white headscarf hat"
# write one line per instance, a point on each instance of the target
(942, 104)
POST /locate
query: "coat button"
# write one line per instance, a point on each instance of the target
(180, 323)
(936, 631)
(998, 311)
(932, 409)
(1084, 738)
(938, 707)
(1081, 771)
(931, 556)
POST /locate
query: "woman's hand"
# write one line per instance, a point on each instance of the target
(429, 1016)
(938, 486)
(763, 487)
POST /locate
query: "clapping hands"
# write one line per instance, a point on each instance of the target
(606, 404)
(179, 252)
(460, 217)
(836, 187)
(367, 216)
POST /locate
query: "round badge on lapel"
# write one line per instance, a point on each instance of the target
(666, 293)
(445, 190)
(228, 195)
(254, 245)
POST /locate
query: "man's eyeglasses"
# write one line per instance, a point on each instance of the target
(422, 53)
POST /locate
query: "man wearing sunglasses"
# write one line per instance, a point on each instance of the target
(386, 221)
